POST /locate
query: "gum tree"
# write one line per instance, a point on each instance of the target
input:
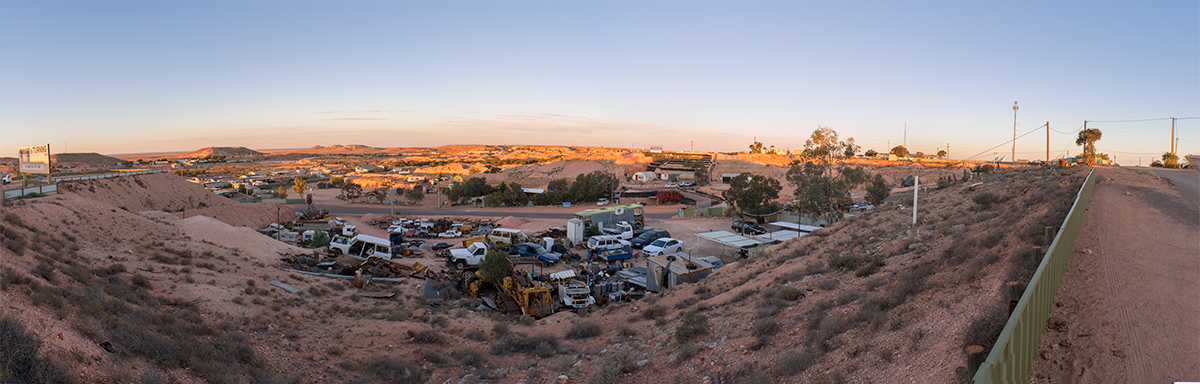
(1088, 138)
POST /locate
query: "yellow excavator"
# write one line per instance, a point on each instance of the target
(533, 297)
(519, 293)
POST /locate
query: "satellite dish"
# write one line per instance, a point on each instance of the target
(620, 211)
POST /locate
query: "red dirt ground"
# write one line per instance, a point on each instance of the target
(1128, 310)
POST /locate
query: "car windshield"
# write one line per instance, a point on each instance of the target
(658, 243)
(646, 236)
(537, 249)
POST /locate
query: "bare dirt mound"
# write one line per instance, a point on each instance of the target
(223, 151)
(93, 159)
(154, 192)
(251, 215)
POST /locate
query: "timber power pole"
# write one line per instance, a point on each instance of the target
(1047, 143)
(1173, 140)
(1014, 143)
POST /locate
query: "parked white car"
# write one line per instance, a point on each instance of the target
(450, 233)
(672, 185)
(663, 246)
(602, 201)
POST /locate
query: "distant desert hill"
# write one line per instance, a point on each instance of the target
(78, 159)
(91, 159)
(224, 151)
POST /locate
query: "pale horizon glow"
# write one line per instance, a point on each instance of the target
(137, 76)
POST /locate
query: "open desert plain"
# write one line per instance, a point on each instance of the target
(152, 278)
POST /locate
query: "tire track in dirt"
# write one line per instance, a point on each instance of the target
(1129, 299)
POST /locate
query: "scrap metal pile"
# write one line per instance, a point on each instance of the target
(377, 268)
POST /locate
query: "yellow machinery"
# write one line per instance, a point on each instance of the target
(532, 296)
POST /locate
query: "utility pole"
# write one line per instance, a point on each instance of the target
(1047, 143)
(906, 133)
(693, 146)
(947, 150)
(1014, 143)
(1175, 143)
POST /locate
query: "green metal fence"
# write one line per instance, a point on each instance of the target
(1011, 358)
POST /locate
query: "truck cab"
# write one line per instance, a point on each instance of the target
(575, 294)
(472, 255)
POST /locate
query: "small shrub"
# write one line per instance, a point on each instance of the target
(990, 240)
(394, 370)
(686, 352)
(828, 284)
(476, 335)
(113, 270)
(985, 199)
(541, 345)
(470, 357)
(792, 294)
(867, 269)
(141, 281)
(619, 363)
(433, 358)
(46, 272)
(500, 329)
(429, 336)
(654, 312)
(20, 360)
(793, 362)
(583, 330)
(847, 297)
(626, 331)
(764, 327)
(814, 269)
(691, 325)
(842, 262)
(985, 329)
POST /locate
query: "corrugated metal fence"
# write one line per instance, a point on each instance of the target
(1011, 358)
(53, 188)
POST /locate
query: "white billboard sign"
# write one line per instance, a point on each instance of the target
(36, 159)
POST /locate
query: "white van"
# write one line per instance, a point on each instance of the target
(364, 246)
(603, 242)
(506, 236)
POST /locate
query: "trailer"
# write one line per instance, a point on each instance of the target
(611, 255)
(610, 216)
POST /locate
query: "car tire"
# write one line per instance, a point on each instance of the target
(459, 264)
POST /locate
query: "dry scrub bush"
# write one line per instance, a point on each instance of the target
(686, 352)
(394, 370)
(20, 359)
(793, 362)
(470, 357)
(541, 345)
(691, 326)
(654, 312)
(428, 336)
(619, 363)
(583, 330)
(985, 199)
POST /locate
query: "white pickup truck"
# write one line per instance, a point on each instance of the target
(472, 255)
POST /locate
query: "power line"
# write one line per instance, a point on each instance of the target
(1130, 153)
(1141, 120)
(1006, 142)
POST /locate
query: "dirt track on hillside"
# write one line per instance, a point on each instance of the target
(1128, 310)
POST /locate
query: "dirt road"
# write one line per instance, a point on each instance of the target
(1128, 310)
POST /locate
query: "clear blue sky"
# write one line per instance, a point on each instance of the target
(122, 76)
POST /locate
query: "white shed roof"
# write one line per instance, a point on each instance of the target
(795, 227)
(731, 239)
